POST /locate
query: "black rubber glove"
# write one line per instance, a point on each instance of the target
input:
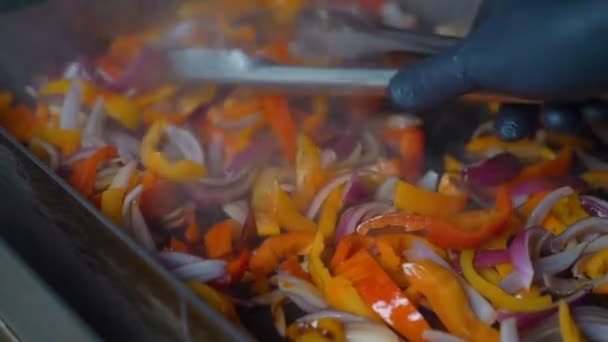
(544, 49)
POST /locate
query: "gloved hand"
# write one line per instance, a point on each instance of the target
(544, 49)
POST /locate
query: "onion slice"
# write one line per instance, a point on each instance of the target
(495, 170)
(92, 133)
(441, 336)
(429, 181)
(353, 215)
(51, 151)
(546, 204)
(305, 295)
(141, 232)
(187, 143)
(508, 330)
(520, 253)
(559, 262)
(594, 206)
(71, 106)
(203, 271)
(582, 227)
(322, 194)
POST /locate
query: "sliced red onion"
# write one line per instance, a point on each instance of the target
(559, 262)
(580, 228)
(128, 146)
(386, 190)
(71, 106)
(369, 331)
(511, 283)
(343, 317)
(187, 143)
(354, 157)
(592, 162)
(173, 260)
(535, 186)
(597, 244)
(353, 215)
(356, 191)
(123, 176)
(208, 194)
(594, 206)
(322, 194)
(441, 336)
(591, 320)
(237, 211)
(253, 155)
(486, 258)
(429, 181)
(508, 330)
(543, 208)
(51, 151)
(528, 319)
(520, 250)
(372, 149)
(92, 133)
(202, 271)
(480, 195)
(305, 295)
(141, 232)
(215, 154)
(403, 121)
(482, 308)
(345, 146)
(562, 286)
(143, 70)
(495, 170)
(129, 198)
(242, 123)
(328, 157)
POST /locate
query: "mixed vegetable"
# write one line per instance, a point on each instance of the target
(262, 199)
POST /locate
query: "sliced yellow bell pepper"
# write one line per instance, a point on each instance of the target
(216, 299)
(567, 325)
(123, 110)
(111, 204)
(596, 177)
(310, 175)
(522, 148)
(329, 212)
(494, 293)
(420, 201)
(67, 140)
(595, 266)
(181, 171)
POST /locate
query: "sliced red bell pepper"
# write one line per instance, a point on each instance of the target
(559, 166)
(19, 121)
(84, 172)
(292, 266)
(348, 246)
(193, 231)
(237, 267)
(410, 142)
(384, 297)
(461, 231)
(159, 197)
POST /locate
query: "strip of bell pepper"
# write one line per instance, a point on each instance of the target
(494, 293)
(19, 121)
(447, 187)
(159, 196)
(595, 266)
(521, 148)
(277, 115)
(216, 299)
(177, 246)
(84, 172)
(338, 291)
(348, 246)
(181, 171)
(218, 239)
(329, 212)
(567, 325)
(420, 201)
(192, 234)
(236, 268)
(310, 175)
(123, 110)
(6, 99)
(556, 167)
(595, 177)
(465, 230)
(266, 257)
(320, 330)
(67, 140)
(292, 266)
(384, 297)
(313, 122)
(448, 300)
(451, 164)
(410, 142)
(111, 204)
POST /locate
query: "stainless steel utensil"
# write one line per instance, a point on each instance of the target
(236, 67)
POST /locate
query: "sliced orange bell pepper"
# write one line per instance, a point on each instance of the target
(6, 99)
(440, 287)
(596, 177)
(216, 299)
(410, 142)
(84, 172)
(310, 175)
(111, 204)
(218, 239)
(556, 167)
(266, 258)
(237, 267)
(19, 121)
(329, 212)
(177, 246)
(192, 234)
(384, 297)
(521, 148)
(292, 266)
(338, 291)
(277, 115)
(348, 246)
(420, 201)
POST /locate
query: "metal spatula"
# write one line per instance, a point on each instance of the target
(236, 67)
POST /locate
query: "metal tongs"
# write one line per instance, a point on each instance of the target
(236, 67)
